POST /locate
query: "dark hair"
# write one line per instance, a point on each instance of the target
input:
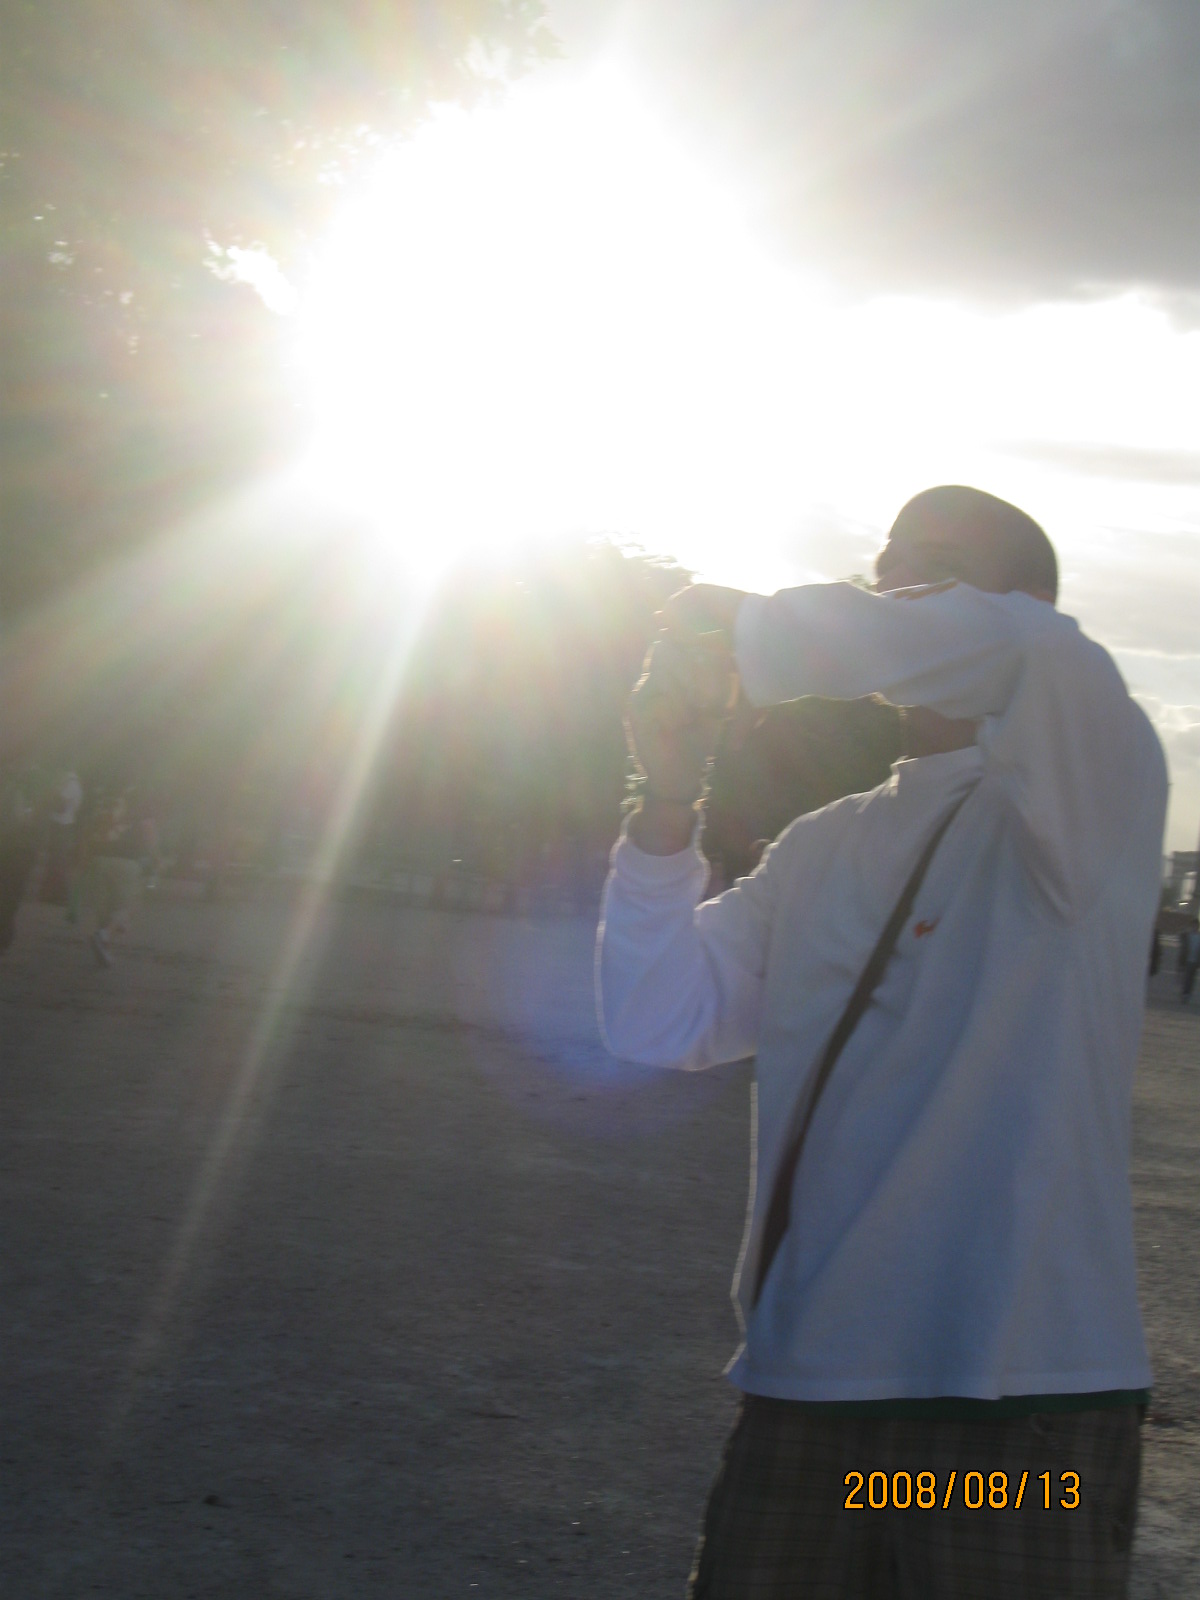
(981, 520)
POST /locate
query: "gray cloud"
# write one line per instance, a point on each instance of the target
(1127, 463)
(1140, 592)
(828, 543)
(1031, 149)
(1179, 729)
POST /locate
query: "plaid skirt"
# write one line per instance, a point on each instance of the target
(809, 1505)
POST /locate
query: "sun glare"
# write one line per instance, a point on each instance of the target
(524, 298)
(548, 316)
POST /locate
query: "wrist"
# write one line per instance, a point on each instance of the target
(663, 797)
(662, 826)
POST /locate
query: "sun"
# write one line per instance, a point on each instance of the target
(522, 322)
(552, 315)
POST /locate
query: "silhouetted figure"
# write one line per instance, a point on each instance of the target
(1190, 953)
(17, 849)
(114, 872)
(61, 837)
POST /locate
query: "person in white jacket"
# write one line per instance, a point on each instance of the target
(944, 1371)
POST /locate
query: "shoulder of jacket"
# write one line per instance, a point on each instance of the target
(820, 829)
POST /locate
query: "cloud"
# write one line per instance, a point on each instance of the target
(832, 546)
(1138, 592)
(1180, 722)
(257, 268)
(1035, 149)
(1110, 461)
(1178, 726)
(1183, 747)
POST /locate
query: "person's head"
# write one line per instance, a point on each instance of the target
(954, 532)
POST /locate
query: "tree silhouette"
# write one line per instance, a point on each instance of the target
(508, 750)
(137, 144)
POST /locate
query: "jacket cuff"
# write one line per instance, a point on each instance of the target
(639, 869)
(752, 649)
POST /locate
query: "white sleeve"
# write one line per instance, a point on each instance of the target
(678, 983)
(953, 649)
(1077, 757)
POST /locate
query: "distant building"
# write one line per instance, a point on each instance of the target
(1180, 885)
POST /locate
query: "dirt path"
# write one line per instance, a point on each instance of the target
(360, 1270)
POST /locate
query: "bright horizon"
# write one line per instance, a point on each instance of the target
(548, 316)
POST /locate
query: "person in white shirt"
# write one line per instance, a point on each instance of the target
(61, 831)
(944, 1371)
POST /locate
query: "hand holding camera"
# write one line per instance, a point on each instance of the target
(687, 689)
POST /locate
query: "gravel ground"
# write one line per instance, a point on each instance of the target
(336, 1259)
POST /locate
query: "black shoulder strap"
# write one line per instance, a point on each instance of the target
(779, 1210)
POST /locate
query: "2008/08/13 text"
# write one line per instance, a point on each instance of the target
(904, 1491)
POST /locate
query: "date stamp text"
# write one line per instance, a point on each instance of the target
(922, 1491)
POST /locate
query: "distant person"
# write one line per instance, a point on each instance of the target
(17, 848)
(148, 842)
(113, 873)
(943, 982)
(61, 820)
(1190, 953)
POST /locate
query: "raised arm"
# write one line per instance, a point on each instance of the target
(676, 985)
(1078, 759)
(679, 983)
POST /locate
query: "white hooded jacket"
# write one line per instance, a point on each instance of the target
(961, 1216)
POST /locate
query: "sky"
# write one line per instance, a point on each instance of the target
(733, 280)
